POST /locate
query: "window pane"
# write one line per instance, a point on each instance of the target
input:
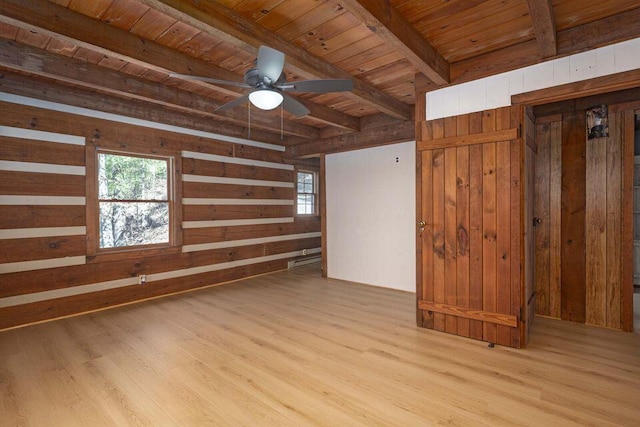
(129, 224)
(131, 178)
(305, 204)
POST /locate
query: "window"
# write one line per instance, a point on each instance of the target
(307, 189)
(134, 200)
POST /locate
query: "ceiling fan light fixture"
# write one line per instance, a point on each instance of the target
(266, 99)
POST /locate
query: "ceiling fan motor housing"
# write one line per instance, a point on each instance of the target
(252, 77)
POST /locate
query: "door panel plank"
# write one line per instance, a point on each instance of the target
(427, 235)
(450, 246)
(462, 234)
(438, 237)
(489, 232)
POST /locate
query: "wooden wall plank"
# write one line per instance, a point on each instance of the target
(596, 231)
(233, 191)
(194, 236)
(23, 216)
(291, 245)
(231, 170)
(16, 250)
(573, 199)
(613, 282)
(555, 213)
(222, 212)
(26, 150)
(45, 184)
(541, 210)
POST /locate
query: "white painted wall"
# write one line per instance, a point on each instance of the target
(496, 91)
(371, 221)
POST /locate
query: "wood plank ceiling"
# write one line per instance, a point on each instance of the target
(124, 50)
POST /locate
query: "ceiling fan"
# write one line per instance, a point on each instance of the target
(268, 84)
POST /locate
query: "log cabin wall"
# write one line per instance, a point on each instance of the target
(471, 244)
(579, 201)
(237, 209)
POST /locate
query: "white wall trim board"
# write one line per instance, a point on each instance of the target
(14, 200)
(235, 181)
(41, 264)
(245, 242)
(233, 222)
(496, 91)
(29, 233)
(204, 201)
(8, 165)
(130, 281)
(38, 135)
(86, 112)
(236, 160)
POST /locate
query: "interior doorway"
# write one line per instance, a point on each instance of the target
(584, 214)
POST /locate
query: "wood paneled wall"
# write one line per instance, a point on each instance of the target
(471, 244)
(237, 214)
(579, 200)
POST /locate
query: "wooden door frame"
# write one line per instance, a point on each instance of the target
(599, 86)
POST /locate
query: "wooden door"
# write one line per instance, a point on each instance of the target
(471, 243)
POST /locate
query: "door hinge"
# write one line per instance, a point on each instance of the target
(522, 319)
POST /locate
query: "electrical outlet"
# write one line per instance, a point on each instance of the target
(142, 279)
(304, 252)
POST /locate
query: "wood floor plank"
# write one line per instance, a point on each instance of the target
(291, 349)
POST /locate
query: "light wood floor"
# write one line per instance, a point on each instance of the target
(292, 349)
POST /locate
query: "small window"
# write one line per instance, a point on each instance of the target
(133, 200)
(307, 188)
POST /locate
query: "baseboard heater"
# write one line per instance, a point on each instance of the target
(304, 261)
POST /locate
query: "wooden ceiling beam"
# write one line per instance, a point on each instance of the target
(382, 18)
(56, 21)
(54, 91)
(24, 58)
(606, 31)
(232, 28)
(390, 133)
(544, 26)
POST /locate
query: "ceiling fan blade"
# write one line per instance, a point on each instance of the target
(229, 105)
(209, 80)
(270, 63)
(294, 107)
(320, 86)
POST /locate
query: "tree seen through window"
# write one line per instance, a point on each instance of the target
(133, 199)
